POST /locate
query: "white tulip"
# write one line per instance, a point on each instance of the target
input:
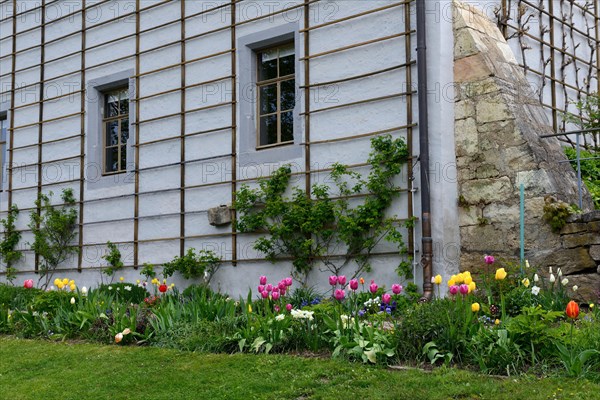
(526, 263)
(575, 288)
(552, 278)
(84, 291)
(72, 300)
(559, 272)
(550, 270)
(535, 290)
(536, 278)
(564, 282)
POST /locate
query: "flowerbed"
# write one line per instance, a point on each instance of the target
(507, 320)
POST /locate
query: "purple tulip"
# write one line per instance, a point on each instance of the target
(489, 259)
(264, 294)
(373, 288)
(386, 298)
(396, 288)
(353, 284)
(275, 295)
(269, 287)
(288, 281)
(341, 279)
(453, 289)
(263, 280)
(288, 307)
(261, 288)
(333, 280)
(339, 294)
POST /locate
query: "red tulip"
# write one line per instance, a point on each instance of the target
(28, 284)
(572, 310)
(163, 288)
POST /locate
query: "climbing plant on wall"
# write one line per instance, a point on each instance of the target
(53, 230)
(329, 227)
(8, 246)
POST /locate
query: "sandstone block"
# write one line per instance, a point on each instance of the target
(570, 260)
(487, 190)
(595, 252)
(588, 287)
(573, 228)
(580, 240)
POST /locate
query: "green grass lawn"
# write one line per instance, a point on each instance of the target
(45, 370)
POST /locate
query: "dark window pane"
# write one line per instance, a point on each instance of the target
(288, 94)
(112, 133)
(268, 99)
(267, 64)
(287, 126)
(124, 106)
(112, 105)
(286, 60)
(268, 130)
(111, 160)
(124, 130)
(123, 158)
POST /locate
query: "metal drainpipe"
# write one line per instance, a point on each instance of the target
(427, 255)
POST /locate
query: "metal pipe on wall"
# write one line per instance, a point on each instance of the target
(427, 255)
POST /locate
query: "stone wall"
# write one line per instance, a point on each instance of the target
(498, 124)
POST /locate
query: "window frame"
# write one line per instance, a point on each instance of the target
(278, 80)
(119, 118)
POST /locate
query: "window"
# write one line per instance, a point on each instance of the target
(115, 124)
(276, 89)
(3, 129)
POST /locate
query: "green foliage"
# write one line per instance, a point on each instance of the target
(495, 352)
(124, 292)
(556, 213)
(191, 265)
(53, 229)
(148, 271)
(10, 239)
(434, 354)
(17, 297)
(590, 171)
(588, 116)
(311, 228)
(113, 257)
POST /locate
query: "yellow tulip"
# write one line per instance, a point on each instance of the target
(60, 285)
(525, 282)
(451, 282)
(121, 279)
(437, 279)
(71, 282)
(65, 281)
(57, 281)
(472, 286)
(497, 322)
(500, 274)
(460, 278)
(468, 280)
(72, 287)
(475, 307)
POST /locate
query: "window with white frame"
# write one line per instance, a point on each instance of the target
(115, 123)
(276, 91)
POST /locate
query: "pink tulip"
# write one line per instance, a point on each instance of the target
(28, 284)
(275, 295)
(373, 288)
(282, 291)
(281, 285)
(386, 298)
(453, 289)
(269, 287)
(464, 289)
(396, 288)
(333, 280)
(264, 294)
(288, 281)
(276, 308)
(353, 284)
(489, 259)
(339, 294)
(288, 307)
(261, 288)
(263, 280)
(341, 279)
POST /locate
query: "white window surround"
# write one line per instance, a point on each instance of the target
(247, 96)
(94, 132)
(4, 114)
